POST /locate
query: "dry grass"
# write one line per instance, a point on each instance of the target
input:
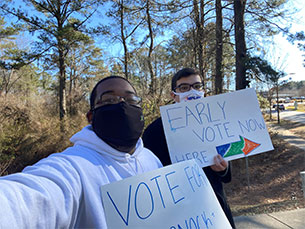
(275, 182)
(301, 107)
(30, 132)
(294, 127)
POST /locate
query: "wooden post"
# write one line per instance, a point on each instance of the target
(303, 182)
(247, 172)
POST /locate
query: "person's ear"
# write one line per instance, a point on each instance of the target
(175, 97)
(89, 116)
(172, 95)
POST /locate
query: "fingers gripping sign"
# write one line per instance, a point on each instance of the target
(220, 164)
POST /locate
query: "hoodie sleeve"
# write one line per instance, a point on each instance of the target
(45, 195)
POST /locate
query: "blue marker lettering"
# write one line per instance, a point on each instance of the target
(172, 188)
(179, 160)
(188, 156)
(170, 119)
(210, 137)
(217, 126)
(253, 126)
(209, 111)
(157, 183)
(128, 208)
(200, 137)
(242, 126)
(197, 172)
(206, 220)
(222, 108)
(188, 113)
(151, 197)
(227, 130)
(261, 125)
(189, 177)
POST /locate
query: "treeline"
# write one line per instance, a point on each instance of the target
(294, 85)
(54, 51)
(293, 88)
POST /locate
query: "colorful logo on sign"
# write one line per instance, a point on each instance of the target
(244, 146)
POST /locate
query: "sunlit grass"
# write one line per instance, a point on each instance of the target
(300, 107)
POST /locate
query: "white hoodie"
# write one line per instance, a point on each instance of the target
(63, 190)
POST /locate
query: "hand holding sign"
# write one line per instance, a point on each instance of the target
(219, 164)
(230, 125)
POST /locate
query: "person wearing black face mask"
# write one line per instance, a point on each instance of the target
(120, 125)
(116, 115)
(63, 190)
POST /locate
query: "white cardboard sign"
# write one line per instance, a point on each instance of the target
(229, 124)
(173, 197)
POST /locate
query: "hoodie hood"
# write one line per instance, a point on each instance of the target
(86, 137)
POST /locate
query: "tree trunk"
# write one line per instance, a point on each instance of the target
(240, 44)
(62, 69)
(62, 82)
(195, 59)
(270, 109)
(219, 49)
(121, 7)
(277, 104)
(199, 35)
(70, 101)
(149, 57)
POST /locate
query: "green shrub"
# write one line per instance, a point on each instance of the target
(263, 102)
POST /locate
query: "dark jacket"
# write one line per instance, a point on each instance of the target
(154, 139)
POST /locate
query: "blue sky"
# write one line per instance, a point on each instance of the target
(282, 52)
(287, 54)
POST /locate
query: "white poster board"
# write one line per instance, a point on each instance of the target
(176, 196)
(229, 124)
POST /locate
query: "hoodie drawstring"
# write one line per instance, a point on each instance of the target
(127, 156)
(137, 162)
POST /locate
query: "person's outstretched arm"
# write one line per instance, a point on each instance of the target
(45, 195)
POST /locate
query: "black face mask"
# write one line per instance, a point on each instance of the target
(119, 125)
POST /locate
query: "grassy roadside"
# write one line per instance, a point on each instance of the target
(274, 179)
(294, 127)
(300, 107)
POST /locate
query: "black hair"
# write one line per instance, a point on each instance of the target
(93, 92)
(184, 72)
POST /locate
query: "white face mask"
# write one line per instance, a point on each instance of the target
(189, 95)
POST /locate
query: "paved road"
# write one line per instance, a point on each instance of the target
(294, 116)
(293, 219)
